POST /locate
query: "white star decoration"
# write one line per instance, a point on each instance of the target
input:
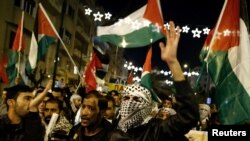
(166, 26)
(88, 11)
(124, 43)
(119, 23)
(185, 29)
(218, 35)
(196, 33)
(157, 28)
(146, 23)
(226, 32)
(206, 30)
(127, 20)
(108, 16)
(98, 16)
(136, 25)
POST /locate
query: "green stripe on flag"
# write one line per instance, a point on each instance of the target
(43, 46)
(231, 97)
(138, 38)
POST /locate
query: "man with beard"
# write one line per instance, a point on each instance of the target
(93, 126)
(22, 121)
(62, 127)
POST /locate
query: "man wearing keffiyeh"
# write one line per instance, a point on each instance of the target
(139, 100)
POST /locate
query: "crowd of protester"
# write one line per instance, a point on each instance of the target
(56, 113)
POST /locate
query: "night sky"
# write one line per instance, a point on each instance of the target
(193, 13)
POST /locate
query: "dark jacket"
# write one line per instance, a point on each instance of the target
(172, 129)
(30, 129)
(77, 131)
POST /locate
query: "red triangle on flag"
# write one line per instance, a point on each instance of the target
(3, 73)
(44, 24)
(19, 45)
(153, 13)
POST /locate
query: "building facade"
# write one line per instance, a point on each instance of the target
(74, 27)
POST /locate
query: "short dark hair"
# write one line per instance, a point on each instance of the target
(56, 89)
(14, 91)
(102, 101)
(54, 100)
(115, 91)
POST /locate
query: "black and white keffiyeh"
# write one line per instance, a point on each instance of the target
(134, 112)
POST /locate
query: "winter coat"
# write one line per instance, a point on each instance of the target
(30, 129)
(172, 129)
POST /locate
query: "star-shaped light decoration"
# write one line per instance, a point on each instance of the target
(166, 26)
(185, 29)
(119, 23)
(151, 40)
(157, 28)
(238, 33)
(127, 20)
(180, 30)
(206, 31)
(146, 23)
(124, 43)
(136, 25)
(218, 35)
(196, 33)
(226, 32)
(98, 16)
(108, 16)
(88, 11)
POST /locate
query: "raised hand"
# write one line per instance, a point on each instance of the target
(169, 51)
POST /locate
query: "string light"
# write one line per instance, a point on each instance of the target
(196, 32)
(129, 66)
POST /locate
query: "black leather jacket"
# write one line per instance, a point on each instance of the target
(30, 129)
(172, 129)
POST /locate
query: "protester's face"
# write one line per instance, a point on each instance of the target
(41, 106)
(117, 100)
(167, 103)
(204, 113)
(4, 95)
(77, 102)
(110, 112)
(90, 112)
(50, 108)
(21, 104)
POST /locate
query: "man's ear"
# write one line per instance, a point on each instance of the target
(10, 102)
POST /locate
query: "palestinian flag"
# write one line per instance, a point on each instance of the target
(140, 28)
(19, 42)
(146, 80)
(15, 55)
(46, 32)
(31, 65)
(3, 73)
(227, 53)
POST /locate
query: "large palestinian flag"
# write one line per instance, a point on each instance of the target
(227, 54)
(140, 28)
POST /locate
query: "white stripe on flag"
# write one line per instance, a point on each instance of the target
(33, 51)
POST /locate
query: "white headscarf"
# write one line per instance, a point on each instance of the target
(74, 96)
